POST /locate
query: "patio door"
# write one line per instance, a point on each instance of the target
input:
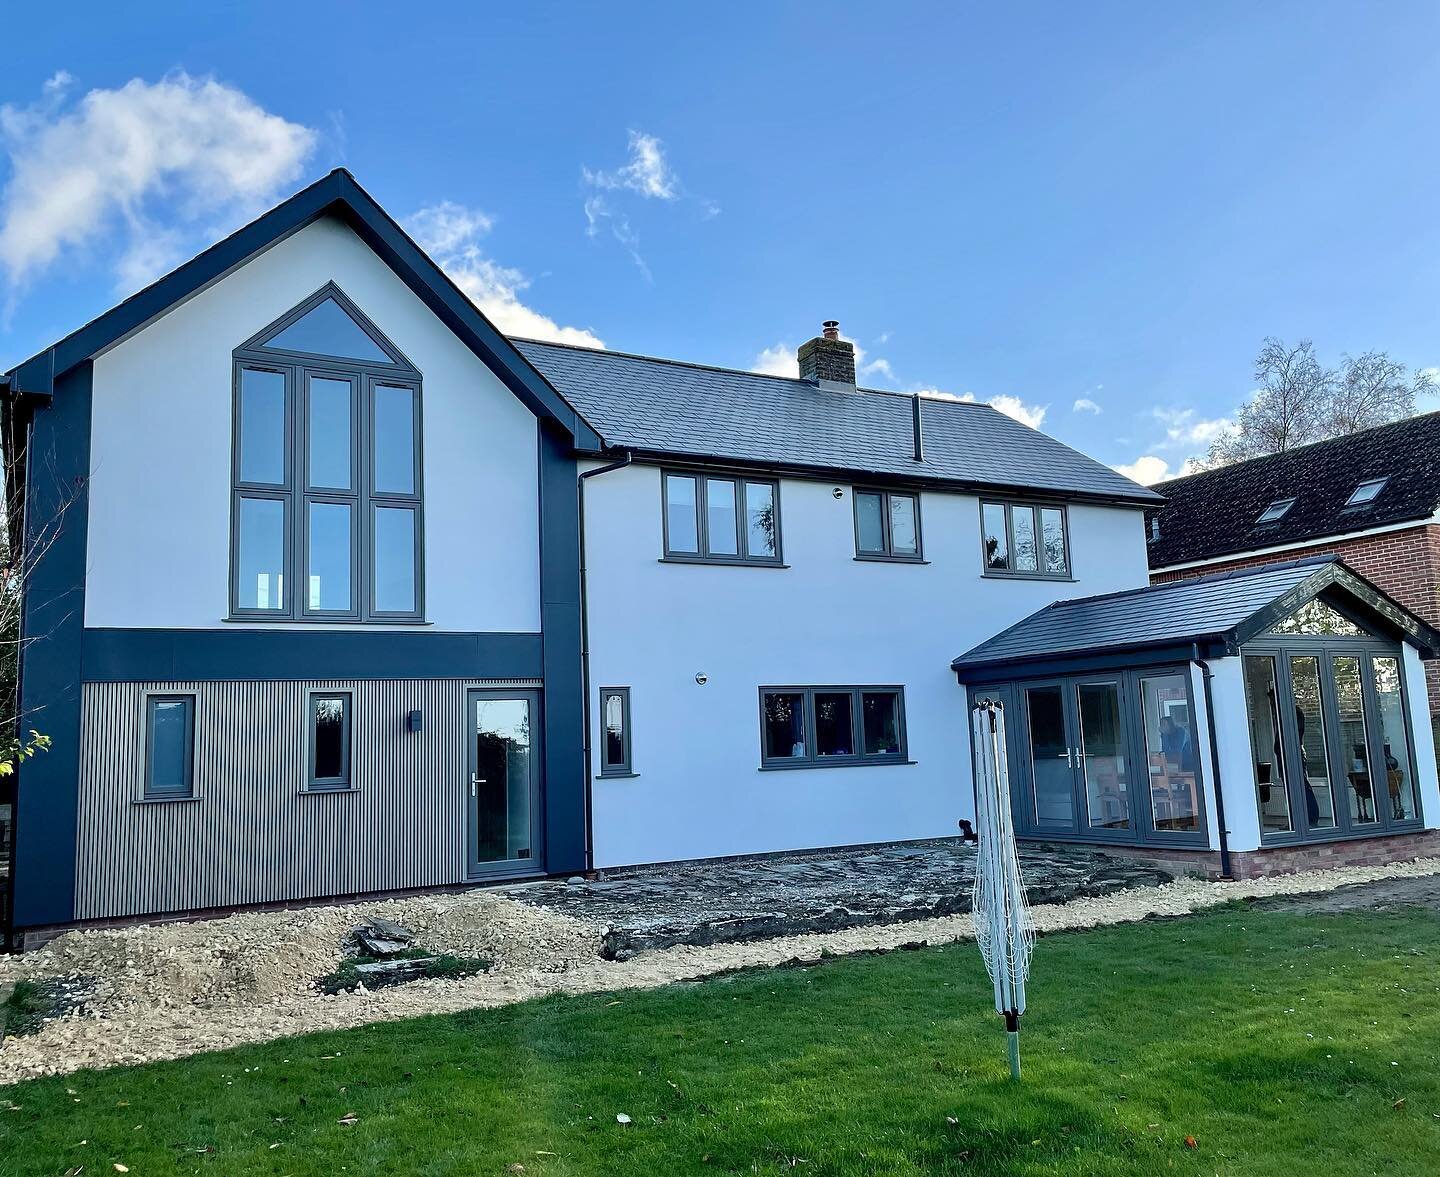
(503, 732)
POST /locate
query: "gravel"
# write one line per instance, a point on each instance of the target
(168, 990)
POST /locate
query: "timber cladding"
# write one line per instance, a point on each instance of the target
(252, 833)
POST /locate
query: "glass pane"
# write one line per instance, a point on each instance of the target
(502, 779)
(395, 560)
(1314, 756)
(1316, 617)
(614, 731)
(1394, 740)
(760, 529)
(1050, 757)
(1027, 557)
(1102, 756)
(880, 717)
(329, 433)
(904, 535)
(1354, 749)
(722, 537)
(262, 427)
(328, 740)
(784, 725)
(1052, 528)
(870, 523)
(1262, 701)
(169, 746)
(394, 440)
(682, 534)
(1170, 753)
(997, 543)
(327, 562)
(327, 330)
(260, 577)
(834, 723)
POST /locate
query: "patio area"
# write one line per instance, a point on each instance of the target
(720, 902)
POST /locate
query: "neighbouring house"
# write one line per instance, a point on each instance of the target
(336, 590)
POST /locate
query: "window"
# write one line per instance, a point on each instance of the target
(1316, 618)
(329, 756)
(815, 727)
(1367, 492)
(1262, 700)
(327, 515)
(615, 731)
(721, 520)
(1171, 757)
(887, 525)
(1275, 511)
(1022, 539)
(169, 746)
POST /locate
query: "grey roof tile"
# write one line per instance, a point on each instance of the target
(668, 407)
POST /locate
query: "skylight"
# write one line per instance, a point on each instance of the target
(1275, 511)
(1366, 492)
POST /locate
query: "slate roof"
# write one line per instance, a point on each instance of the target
(1223, 608)
(1214, 513)
(663, 407)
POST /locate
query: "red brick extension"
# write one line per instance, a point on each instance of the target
(1405, 564)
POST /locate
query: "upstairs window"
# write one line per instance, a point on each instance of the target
(1275, 511)
(1025, 539)
(1367, 492)
(327, 511)
(887, 525)
(721, 520)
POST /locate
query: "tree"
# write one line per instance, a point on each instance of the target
(1300, 400)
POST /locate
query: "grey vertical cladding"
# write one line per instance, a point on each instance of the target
(252, 834)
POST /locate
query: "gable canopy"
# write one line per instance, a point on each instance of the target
(1213, 615)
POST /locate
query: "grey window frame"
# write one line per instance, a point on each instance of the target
(1379, 485)
(148, 792)
(812, 758)
(298, 494)
(1281, 507)
(345, 783)
(889, 555)
(702, 480)
(627, 767)
(1036, 506)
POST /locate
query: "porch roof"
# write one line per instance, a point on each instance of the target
(1215, 613)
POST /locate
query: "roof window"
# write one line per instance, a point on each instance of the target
(1367, 492)
(1275, 511)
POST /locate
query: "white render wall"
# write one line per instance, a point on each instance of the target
(826, 619)
(1423, 737)
(159, 531)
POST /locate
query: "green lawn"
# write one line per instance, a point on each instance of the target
(1281, 1043)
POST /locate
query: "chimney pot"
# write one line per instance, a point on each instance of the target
(831, 328)
(827, 359)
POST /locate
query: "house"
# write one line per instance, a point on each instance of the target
(336, 590)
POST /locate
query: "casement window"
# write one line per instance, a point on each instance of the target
(327, 507)
(721, 519)
(887, 525)
(169, 754)
(1025, 539)
(615, 732)
(819, 727)
(328, 747)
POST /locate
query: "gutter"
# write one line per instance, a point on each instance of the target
(623, 461)
(1205, 673)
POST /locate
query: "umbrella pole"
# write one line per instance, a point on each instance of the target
(1012, 1033)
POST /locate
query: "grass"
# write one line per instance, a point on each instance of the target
(347, 975)
(1280, 1043)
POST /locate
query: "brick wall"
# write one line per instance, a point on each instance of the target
(1405, 564)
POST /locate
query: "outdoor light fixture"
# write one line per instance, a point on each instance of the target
(702, 678)
(838, 492)
(415, 721)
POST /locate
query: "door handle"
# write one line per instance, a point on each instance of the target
(475, 781)
(1069, 758)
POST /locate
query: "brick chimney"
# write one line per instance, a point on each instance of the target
(828, 360)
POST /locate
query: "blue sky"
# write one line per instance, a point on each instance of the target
(1033, 204)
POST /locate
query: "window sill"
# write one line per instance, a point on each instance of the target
(256, 618)
(325, 792)
(810, 764)
(709, 563)
(891, 560)
(1054, 578)
(617, 776)
(164, 800)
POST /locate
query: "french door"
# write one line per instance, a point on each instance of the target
(503, 790)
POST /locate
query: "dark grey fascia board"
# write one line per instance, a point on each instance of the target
(871, 478)
(337, 194)
(1128, 657)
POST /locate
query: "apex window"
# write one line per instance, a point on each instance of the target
(327, 510)
(1025, 539)
(721, 519)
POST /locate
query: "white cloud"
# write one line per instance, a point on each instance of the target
(450, 233)
(1183, 428)
(1152, 468)
(647, 173)
(778, 360)
(1085, 405)
(193, 150)
(1011, 406)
